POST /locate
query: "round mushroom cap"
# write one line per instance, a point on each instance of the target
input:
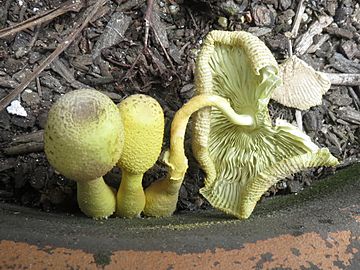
(143, 120)
(84, 135)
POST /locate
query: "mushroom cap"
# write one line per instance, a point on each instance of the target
(241, 162)
(84, 135)
(143, 120)
(302, 87)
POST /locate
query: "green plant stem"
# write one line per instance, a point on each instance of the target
(130, 197)
(95, 198)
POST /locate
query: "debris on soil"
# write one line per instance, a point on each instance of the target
(116, 54)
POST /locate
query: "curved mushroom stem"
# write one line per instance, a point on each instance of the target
(95, 198)
(130, 197)
(161, 196)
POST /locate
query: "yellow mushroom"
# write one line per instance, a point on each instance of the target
(83, 141)
(234, 141)
(242, 163)
(143, 120)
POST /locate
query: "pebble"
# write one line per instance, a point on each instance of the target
(22, 122)
(223, 22)
(230, 7)
(30, 97)
(174, 9)
(294, 186)
(15, 108)
(285, 4)
(350, 49)
(263, 15)
(339, 32)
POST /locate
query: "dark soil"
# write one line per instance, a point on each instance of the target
(116, 63)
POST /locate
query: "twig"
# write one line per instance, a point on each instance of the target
(344, 78)
(164, 50)
(355, 97)
(58, 66)
(37, 136)
(306, 40)
(71, 5)
(147, 19)
(26, 143)
(299, 13)
(294, 32)
(149, 24)
(91, 11)
(38, 86)
(24, 148)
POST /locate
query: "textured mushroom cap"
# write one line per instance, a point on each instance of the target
(143, 120)
(84, 135)
(302, 86)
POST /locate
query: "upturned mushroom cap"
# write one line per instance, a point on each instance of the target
(143, 120)
(83, 135)
(302, 86)
(241, 162)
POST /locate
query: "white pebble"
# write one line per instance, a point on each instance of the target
(16, 109)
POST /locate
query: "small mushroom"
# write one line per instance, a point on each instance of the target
(143, 120)
(83, 141)
(242, 162)
(302, 86)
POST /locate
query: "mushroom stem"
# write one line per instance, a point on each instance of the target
(130, 196)
(161, 196)
(95, 198)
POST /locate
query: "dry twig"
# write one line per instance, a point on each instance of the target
(71, 5)
(91, 12)
(294, 32)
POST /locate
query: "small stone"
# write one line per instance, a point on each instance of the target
(41, 120)
(312, 121)
(30, 97)
(277, 43)
(349, 48)
(356, 15)
(35, 57)
(259, 31)
(4, 120)
(15, 108)
(339, 32)
(52, 83)
(340, 97)
(285, 4)
(174, 9)
(294, 186)
(22, 122)
(263, 15)
(304, 18)
(223, 22)
(187, 91)
(12, 65)
(230, 7)
(331, 6)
